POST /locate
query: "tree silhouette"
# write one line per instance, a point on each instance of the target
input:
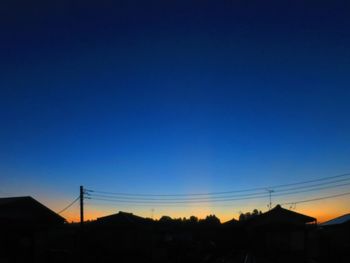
(165, 219)
(210, 220)
(248, 215)
(193, 219)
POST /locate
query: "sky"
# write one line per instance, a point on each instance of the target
(173, 97)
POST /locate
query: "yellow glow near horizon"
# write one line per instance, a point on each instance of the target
(322, 210)
(318, 212)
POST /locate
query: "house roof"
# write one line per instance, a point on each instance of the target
(26, 209)
(231, 222)
(337, 221)
(123, 218)
(279, 215)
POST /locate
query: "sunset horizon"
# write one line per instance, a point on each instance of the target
(175, 131)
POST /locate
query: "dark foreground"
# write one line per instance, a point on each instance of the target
(133, 239)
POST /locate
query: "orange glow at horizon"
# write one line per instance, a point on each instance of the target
(322, 211)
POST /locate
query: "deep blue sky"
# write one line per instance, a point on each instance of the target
(172, 96)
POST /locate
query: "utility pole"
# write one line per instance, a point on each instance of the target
(81, 205)
(81, 230)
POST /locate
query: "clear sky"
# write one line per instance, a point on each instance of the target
(168, 97)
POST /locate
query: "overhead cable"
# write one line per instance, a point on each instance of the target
(346, 176)
(68, 206)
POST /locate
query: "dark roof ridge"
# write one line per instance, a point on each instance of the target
(278, 207)
(8, 201)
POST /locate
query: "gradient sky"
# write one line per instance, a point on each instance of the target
(173, 97)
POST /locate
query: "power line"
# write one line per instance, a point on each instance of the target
(283, 192)
(287, 203)
(256, 194)
(314, 185)
(316, 199)
(172, 202)
(311, 190)
(5, 193)
(225, 192)
(99, 202)
(167, 201)
(170, 199)
(68, 206)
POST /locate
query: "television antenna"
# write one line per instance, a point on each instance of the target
(270, 191)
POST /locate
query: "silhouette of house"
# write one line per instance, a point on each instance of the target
(335, 239)
(344, 219)
(122, 234)
(232, 222)
(26, 211)
(279, 215)
(280, 230)
(123, 218)
(24, 226)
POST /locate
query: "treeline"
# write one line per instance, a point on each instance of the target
(209, 220)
